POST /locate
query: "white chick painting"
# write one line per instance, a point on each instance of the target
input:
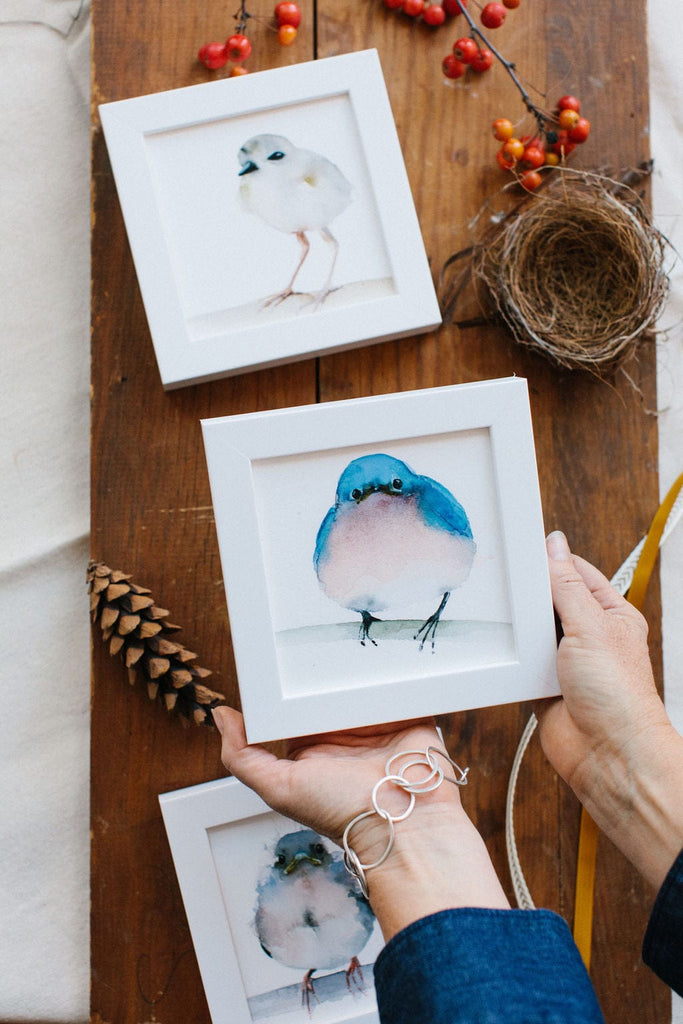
(295, 191)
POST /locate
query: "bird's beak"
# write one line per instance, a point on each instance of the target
(298, 857)
(248, 168)
(375, 489)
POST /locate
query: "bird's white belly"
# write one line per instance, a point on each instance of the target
(293, 204)
(310, 922)
(380, 554)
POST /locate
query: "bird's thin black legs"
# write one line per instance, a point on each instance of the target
(364, 632)
(428, 628)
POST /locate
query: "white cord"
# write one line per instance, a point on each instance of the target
(621, 581)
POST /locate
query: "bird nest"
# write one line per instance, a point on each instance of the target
(575, 271)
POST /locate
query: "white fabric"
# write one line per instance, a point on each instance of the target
(44, 430)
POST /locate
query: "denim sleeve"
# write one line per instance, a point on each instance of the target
(663, 942)
(476, 966)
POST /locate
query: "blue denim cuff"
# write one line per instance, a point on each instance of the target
(478, 966)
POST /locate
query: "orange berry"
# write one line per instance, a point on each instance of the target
(238, 70)
(286, 34)
(552, 159)
(502, 129)
(567, 118)
(513, 148)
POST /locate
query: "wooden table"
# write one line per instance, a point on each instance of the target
(151, 509)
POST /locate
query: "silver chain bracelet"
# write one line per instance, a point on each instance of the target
(434, 778)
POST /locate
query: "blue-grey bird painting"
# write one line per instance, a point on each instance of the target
(392, 538)
(310, 912)
(296, 191)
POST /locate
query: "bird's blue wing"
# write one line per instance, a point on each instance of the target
(321, 539)
(440, 509)
(341, 875)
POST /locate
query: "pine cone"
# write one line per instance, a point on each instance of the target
(136, 629)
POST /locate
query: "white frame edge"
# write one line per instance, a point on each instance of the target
(188, 814)
(412, 309)
(234, 442)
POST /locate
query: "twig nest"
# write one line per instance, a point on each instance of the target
(576, 271)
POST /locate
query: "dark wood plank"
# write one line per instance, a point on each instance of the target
(596, 446)
(151, 516)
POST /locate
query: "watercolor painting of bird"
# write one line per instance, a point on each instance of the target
(392, 538)
(310, 913)
(295, 191)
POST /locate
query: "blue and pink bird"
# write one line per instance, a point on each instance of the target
(392, 539)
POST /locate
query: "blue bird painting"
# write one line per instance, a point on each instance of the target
(392, 538)
(310, 912)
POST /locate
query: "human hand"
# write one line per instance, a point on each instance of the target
(438, 859)
(609, 736)
(326, 780)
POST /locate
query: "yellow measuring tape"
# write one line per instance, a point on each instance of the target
(588, 832)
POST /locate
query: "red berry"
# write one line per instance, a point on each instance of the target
(434, 14)
(502, 129)
(581, 130)
(530, 180)
(569, 103)
(453, 8)
(465, 49)
(288, 13)
(238, 48)
(482, 61)
(562, 146)
(493, 15)
(504, 161)
(393, 5)
(213, 55)
(452, 67)
(512, 5)
(286, 34)
(533, 157)
(413, 8)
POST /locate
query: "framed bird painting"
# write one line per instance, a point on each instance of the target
(281, 931)
(383, 558)
(270, 217)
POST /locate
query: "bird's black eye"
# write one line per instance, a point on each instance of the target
(318, 849)
(356, 494)
(280, 860)
(397, 483)
(277, 155)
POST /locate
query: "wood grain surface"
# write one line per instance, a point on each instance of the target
(151, 507)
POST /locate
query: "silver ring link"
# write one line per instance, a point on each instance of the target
(423, 758)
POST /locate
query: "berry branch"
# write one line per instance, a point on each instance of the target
(495, 18)
(557, 132)
(238, 48)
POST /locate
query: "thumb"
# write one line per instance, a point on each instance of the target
(580, 591)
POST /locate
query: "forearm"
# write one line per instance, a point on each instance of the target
(438, 861)
(635, 796)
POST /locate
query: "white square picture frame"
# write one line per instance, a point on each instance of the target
(222, 838)
(305, 662)
(218, 183)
